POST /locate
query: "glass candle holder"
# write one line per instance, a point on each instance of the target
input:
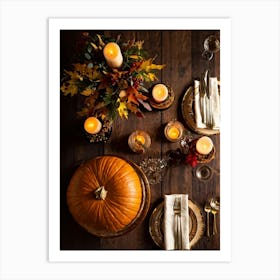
(139, 141)
(173, 131)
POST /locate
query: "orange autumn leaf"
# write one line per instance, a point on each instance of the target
(132, 94)
(132, 99)
(132, 107)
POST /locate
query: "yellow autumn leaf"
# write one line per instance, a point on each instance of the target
(87, 92)
(100, 40)
(156, 67)
(94, 46)
(93, 73)
(134, 56)
(148, 65)
(139, 44)
(145, 64)
(74, 75)
(69, 88)
(80, 68)
(151, 76)
(122, 109)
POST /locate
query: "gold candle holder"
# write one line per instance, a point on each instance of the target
(139, 141)
(173, 131)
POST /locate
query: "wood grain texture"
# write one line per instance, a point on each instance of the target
(181, 51)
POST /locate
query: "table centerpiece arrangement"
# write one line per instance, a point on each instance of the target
(113, 77)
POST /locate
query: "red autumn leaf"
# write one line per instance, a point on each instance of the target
(139, 114)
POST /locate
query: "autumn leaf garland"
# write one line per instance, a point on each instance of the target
(107, 91)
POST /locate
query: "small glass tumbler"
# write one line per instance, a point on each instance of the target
(139, 141)
(203, 172)
(173, 131)
(211, 45)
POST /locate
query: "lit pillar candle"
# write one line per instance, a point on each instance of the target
(204, 145)
(160, 93)
(92, 125)
(113, 55)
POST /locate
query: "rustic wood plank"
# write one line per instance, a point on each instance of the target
(212, 186)
(73, 150)
(118, 145)
(177, 54)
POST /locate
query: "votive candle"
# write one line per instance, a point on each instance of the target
(173, 131)
(92, 125)
(113, 55)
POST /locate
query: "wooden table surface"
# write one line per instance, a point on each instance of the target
(181, 52)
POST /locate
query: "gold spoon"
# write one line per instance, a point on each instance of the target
(214, 212)
(207, 209)
(215, 207)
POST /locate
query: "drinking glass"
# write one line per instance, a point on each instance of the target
(203, 172)
(211, 45)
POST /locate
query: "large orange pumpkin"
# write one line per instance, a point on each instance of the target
(105, 195)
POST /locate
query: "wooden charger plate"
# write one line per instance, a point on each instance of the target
(187, 108)
(196, 224)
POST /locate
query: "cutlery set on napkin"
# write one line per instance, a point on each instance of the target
(176, 222)
(207, 102)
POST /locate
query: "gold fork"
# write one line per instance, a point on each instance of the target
(215, 207)
(177, 223)
(207, 209)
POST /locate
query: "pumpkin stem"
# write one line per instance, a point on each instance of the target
(100, 193)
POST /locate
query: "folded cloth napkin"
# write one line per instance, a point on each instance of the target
(214, 101)
(198, 106)
(169, 222)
